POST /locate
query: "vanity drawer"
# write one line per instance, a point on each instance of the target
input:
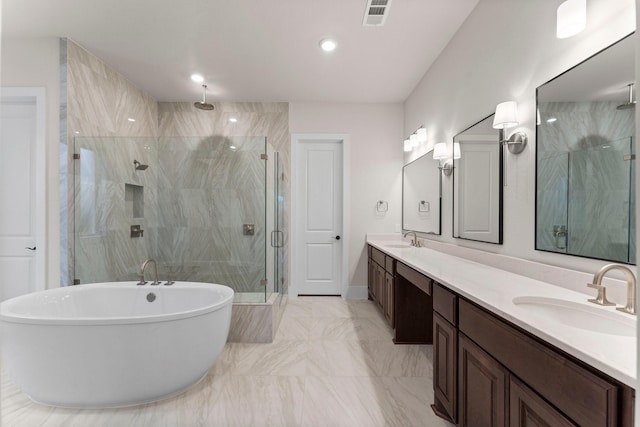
(378, 256)
(445, 303)
(588, 399)
(417, 279)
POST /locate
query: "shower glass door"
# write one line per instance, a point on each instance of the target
(197, 205)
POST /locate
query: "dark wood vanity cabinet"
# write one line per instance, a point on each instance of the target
(381, 282)
(404, 296)
(445, 353)
(489, 372)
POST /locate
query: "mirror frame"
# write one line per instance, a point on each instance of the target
(439, 233)
(500, 190)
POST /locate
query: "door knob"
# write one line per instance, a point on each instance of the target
(337, 237)
(31, 249)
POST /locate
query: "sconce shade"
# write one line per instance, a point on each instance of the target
(422, 135)
(571, 18)
(440, 151)
(506, 115)
(407, 146)
(456, 151)
(414, 140)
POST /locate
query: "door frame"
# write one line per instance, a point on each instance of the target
(296, 140)
(36, 95)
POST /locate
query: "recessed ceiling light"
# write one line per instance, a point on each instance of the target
(77, 132)
(197, 78)
(551, 119)
(233, 147)
(328, 45)
(131, 119)
(233, 120)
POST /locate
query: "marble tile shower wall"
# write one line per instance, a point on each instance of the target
(112, 196)
(270, 120)
(207, 191)
(96, 101)
(586, 134)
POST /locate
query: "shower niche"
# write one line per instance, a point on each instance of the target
(134, 200)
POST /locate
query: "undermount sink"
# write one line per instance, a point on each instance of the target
(398, 245)
(577, 315)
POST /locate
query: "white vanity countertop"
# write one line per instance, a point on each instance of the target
(495, 289)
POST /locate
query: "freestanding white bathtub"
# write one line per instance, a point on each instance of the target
(113, 344)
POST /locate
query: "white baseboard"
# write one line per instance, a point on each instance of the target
(357, 292)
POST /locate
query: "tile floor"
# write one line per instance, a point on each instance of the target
(332, 364)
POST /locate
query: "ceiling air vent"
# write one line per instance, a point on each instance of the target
(376, 13)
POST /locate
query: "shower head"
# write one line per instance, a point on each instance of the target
(631, 102)
(139, 166)
(203, 105)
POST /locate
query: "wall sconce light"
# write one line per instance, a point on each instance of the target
(571, 18)
(414, 140)
(507, 116)
(440, 154)
(407, 145)
(422, 134)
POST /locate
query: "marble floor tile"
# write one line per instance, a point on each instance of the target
(340, 359)
(358, 328)
(294, 328)
(279, 358)
(298, 307)
(390, 360)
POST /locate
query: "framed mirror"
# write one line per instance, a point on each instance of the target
(477, 183)
(585, 158)
(421, 195)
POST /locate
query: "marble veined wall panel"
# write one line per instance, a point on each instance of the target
(99, 102)
(208, 191)
(224, 177)
(104, 248)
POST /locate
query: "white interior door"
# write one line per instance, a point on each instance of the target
(319, 217)
(22, 191)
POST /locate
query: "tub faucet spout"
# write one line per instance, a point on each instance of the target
(155, 271)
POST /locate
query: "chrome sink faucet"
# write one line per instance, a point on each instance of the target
(155, 271)
(415, 241)
(631, 288)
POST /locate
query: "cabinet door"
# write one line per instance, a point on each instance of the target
(482, 385)
(527, 409)
(379, 285)
(371, 277)
(445, 368)
(389, 298)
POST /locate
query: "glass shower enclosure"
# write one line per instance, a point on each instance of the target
(205, 208)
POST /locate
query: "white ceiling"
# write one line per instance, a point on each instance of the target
(251, 50)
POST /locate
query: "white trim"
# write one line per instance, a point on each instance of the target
(346, 197)
(37, 94)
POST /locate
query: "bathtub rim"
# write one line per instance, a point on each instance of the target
(6, 315)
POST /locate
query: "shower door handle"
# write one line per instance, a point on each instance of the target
(278, 238)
